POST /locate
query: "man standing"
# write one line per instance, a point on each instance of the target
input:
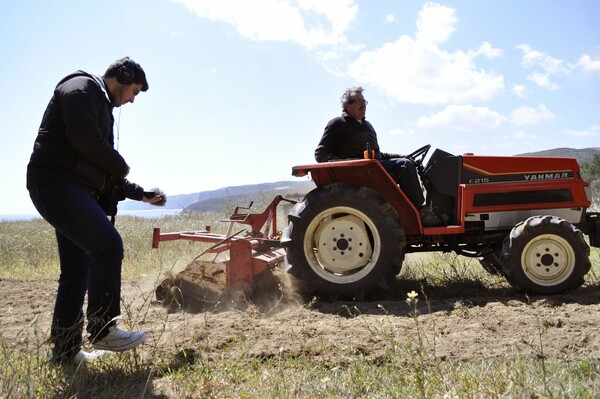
(74, 168)
(347, 137)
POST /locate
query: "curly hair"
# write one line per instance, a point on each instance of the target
(347, 97)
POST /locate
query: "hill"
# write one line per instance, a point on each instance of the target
(213, 200)
(243, 195)
(581, 154)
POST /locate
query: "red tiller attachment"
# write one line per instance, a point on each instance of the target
(249, 255)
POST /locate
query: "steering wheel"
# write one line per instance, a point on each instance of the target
(418, 156)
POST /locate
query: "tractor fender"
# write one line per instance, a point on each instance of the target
(367, 173)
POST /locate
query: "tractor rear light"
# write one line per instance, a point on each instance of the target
(588, 193)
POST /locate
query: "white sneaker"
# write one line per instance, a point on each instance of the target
(80, 357)
(118, 340)
(85, 357)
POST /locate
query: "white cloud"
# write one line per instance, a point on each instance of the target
(536, 59)
(519, 91)
(586, 62)
(544, 67)
(465, 118)
(284, 21)
(414, 70)
(487, 50)
(543, 80)
(516, 142)
(589, 132)
(521, 135)
(420, 71)
(435, 24)
(389, 18)
(531, 116)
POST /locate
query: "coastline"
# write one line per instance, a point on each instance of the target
(143, 213)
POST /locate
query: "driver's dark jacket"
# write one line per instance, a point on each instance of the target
(75, 139)
(346, 138)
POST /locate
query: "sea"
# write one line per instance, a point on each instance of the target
(143, 213)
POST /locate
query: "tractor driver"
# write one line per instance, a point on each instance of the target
(347, 136)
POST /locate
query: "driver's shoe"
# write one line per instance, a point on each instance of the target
(430, 218)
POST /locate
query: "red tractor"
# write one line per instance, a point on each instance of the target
(523, 217)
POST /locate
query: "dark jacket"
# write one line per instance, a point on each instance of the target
(346, 138)
(75, 139)
(118, 188)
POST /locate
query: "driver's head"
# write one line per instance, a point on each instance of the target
(354, 103)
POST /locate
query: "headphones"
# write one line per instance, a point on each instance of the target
(126, 73)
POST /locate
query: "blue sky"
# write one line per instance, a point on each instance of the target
(240, 91)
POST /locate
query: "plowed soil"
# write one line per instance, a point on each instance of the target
(477, 323)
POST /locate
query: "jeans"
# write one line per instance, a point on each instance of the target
(404, 173)
(91, 253)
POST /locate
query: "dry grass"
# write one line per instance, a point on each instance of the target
(27, 251)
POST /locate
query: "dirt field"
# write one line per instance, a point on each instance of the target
(498, 322)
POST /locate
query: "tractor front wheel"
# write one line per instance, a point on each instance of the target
(545, 255)
(345, 242)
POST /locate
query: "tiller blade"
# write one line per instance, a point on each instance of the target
(212, 281)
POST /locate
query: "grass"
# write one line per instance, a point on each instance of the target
(126, 376)
(406, 369)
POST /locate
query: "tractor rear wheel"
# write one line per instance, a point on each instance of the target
(545, 255)
(346, 242)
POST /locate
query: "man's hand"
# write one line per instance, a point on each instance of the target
(155, 197)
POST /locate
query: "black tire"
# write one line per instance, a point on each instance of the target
(492, 262)
(346, 242)
(545, 255)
